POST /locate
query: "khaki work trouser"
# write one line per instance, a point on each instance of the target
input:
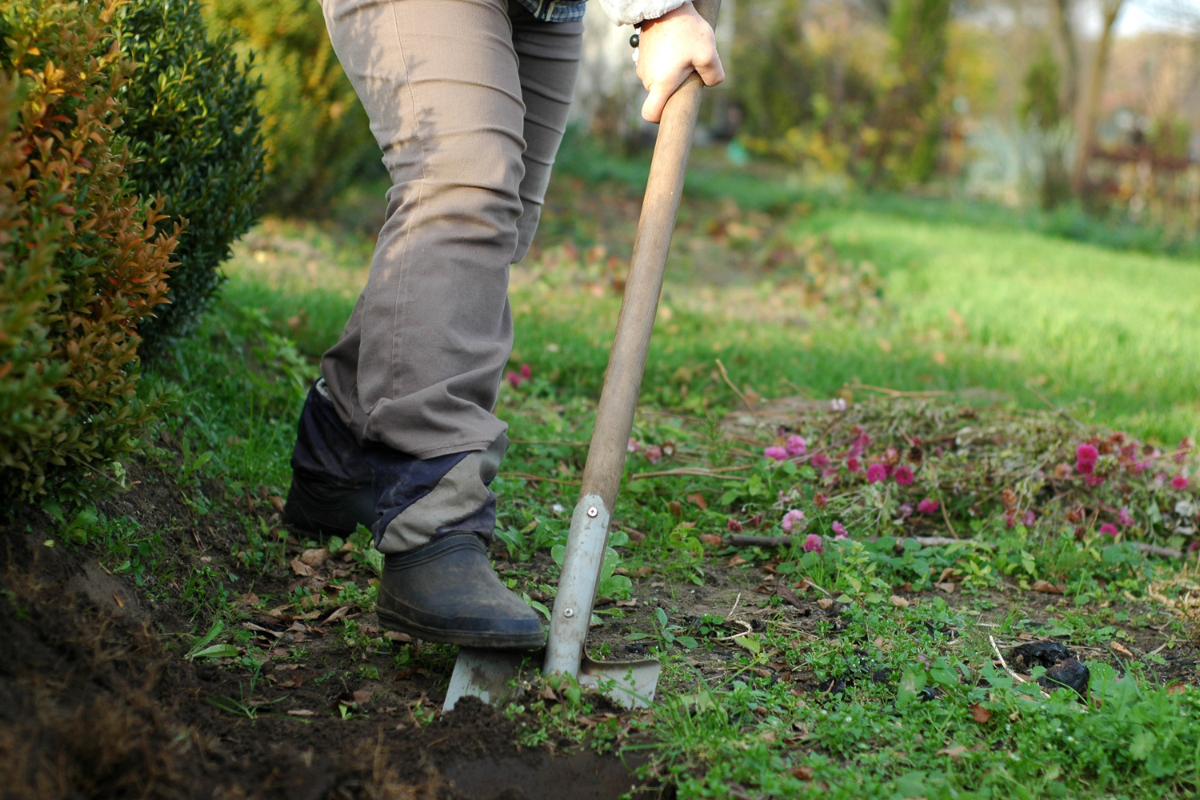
(468, 100)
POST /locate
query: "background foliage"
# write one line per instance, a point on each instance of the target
(194, 138)
(316, 131)
(81, 259)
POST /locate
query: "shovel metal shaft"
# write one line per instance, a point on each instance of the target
(623, 380)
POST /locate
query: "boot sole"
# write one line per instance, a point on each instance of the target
(490, 640)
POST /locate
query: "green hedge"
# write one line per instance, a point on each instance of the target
(194, 132)
(81, 261)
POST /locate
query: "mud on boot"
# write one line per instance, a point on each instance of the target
(447, 591)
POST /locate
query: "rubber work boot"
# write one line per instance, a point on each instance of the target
(331, 491)
(447, 591)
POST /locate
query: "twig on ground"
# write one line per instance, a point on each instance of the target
(548, 443)
(745, 540)
(530, 477)
(695, 472)
(736, 600)
(1003, 664)
(895, 392)
(808, 582)
(738, 392)
(946, 517)
(1155, 550)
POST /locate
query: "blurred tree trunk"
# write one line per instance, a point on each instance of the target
(1060, 11)
(1090, 109)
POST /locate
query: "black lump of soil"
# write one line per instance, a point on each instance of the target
(1062, 668)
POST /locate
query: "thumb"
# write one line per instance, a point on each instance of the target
(653, 107)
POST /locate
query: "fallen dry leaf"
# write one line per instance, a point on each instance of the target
(1177, 688)
(786, 595)
(979, 713)
(363, 696)
(1046, 587)
(397, 636)
(338, 614)
(315, 556)
(899, 601)
(642, 572)
(710, 539)
(955, 752)
(698, 499)
(825, 602)
(675, 507)
(802, 772)
(277, 501)
(301, 712)
(736, 561)
(948, 588)
(300, 568)
(1120, 649)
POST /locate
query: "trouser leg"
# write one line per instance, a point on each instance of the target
(455, 89)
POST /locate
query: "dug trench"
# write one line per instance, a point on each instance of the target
(98, 698)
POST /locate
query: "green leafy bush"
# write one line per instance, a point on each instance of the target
(194, 134)
(81, 261)
(316, 131)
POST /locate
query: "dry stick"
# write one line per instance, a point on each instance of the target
(1155, 550)
(738, 540)
(729, 383)
(818, 588)
(996, 649)
(696, 472)
(529, 477)
(946, 517)
(1061, 411)
(547, 443)
(895, 392)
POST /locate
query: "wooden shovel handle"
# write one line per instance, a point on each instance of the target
(627, 360)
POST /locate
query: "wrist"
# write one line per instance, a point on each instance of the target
(685, 8)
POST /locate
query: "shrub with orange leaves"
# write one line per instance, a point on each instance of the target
(81, 259)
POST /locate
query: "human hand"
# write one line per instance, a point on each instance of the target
(672, 47)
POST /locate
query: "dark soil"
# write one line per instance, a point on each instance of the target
(96, 700)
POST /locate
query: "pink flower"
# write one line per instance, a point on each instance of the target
(1193, 547)
(776, 453)
(1028, 519)
(1179, 482)
(813, 544)
(927, 506)
(796, 446)
(1125, 517)
(905, 511)
(794, 520)
(819, 461)
(839, 531)
(853, 465)
(634, 445)
(876, 473)
(526, 371)
(514, 378)
(1094, 480)
(733, 526)
(1085, 458)
(904, 475)
(653, 453)
(1109, 529)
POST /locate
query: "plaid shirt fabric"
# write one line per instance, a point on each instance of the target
(556, 10)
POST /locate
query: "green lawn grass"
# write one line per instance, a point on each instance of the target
(992, 311)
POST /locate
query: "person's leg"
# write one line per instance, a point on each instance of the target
(549, 54)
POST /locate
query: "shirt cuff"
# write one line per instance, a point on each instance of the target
(631, 12)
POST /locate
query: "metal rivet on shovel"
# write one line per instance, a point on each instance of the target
(489, 674)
